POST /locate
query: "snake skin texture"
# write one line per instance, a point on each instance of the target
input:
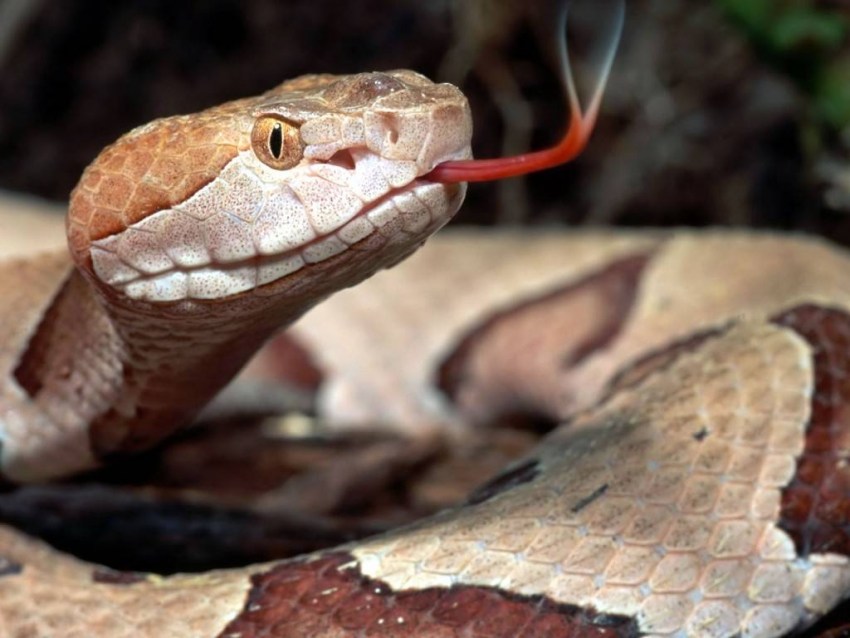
(697, 484)
(702, 493)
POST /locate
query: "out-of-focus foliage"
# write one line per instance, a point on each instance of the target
(807, 39)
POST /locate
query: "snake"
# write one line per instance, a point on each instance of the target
(697, 483)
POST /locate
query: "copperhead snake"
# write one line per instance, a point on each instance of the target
(698, 485)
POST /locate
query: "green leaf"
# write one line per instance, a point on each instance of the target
(807, 27)
(832, 95)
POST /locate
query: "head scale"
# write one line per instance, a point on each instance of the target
(237, 199)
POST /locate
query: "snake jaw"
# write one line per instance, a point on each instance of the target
(252, 225)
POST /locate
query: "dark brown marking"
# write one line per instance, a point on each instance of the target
(657, 360)
(321, 597)
(127, 532)
(523, 473)
(9, 567)
(64, 361)
(618, 284)
(815, 509)
(504, 361)
(37, 361)
(108, 576)
(587, 500)
(701, 434)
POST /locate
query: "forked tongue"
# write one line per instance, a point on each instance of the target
(581, 121)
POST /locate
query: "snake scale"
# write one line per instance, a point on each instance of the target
(698, 483)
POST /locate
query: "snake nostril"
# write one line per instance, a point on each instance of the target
(392, 132)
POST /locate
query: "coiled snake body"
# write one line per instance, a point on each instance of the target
(698, 485)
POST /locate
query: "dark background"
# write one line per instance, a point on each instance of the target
(731, 112)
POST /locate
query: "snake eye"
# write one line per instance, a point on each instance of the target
(276, 142)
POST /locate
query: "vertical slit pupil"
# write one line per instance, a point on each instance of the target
(276, 141)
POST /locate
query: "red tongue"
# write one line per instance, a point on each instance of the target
(485, 170)
(580, 125)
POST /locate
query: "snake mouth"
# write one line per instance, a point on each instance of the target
(408, 213)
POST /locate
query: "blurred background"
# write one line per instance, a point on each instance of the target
(731, 112)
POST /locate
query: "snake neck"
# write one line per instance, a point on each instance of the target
(126, 375)
(173, 361)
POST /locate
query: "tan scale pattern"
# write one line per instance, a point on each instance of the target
(736, 274)
(700, 282)
(683, 533)
(368, 385)
(54, 596)
(682, 530)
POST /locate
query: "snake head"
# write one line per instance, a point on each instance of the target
(314, 185)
